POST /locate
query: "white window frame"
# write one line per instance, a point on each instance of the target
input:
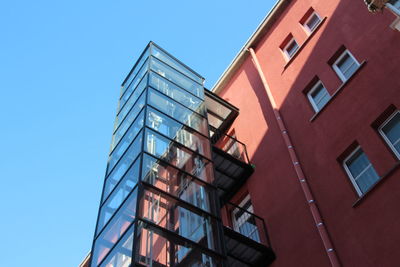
(308, 29)
(350, 175)
(380, 130)
(337, 69)
(285, 49)
(311, 99)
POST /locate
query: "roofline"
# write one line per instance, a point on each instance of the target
(263, 27)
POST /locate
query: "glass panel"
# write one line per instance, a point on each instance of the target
(115, 229)
(292, 48)
(126, 141)
(173, 63)
(157, 250)
(320, 96)
(178, 156)
(357, 163)
(313, 22)
(175, 92)
(350, 71)
(178, 132)
(115, 177)
(177, 183)
(118, 195)
(347, 65)
(121, 255)
(131, 87)
(128, 121)
(127, 159)
(130, 103)
(176, 77)
(367, 178)
(171, 215)
(392, 131)
(177, 111)
(362, 170)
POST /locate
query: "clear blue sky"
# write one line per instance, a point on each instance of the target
(61, 64)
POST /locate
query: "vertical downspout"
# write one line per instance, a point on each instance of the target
(323, 233)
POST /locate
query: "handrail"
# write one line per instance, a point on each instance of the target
(249, 224)
(228, 143)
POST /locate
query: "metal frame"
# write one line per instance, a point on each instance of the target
(212, 212)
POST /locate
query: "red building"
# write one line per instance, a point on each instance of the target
(313, 96)
(318, 90)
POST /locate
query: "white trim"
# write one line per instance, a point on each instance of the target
(397, 153)
(337, 69)
(285, 49)
(311, 99)
(352, 179)
(305, 24)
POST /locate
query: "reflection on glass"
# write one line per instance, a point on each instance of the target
(132, 101)
(128, 121)
(126, 141)
(134, 79)
(120, 168)
(178, 156)
(175, 64)
(177, 93)
(177, 111)
(178, 132)
(156, 208)
(118, 195)
(176, 183)
(121, 255)
(176, 77)
(115, 229)
(156, 250)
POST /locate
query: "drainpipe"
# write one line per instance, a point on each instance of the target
(323, 232)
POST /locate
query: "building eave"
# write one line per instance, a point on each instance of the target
(262, 28)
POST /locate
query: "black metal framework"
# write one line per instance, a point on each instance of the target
(160, 204)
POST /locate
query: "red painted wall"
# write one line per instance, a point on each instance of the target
(367, 234)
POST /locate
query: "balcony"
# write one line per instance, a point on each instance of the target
(246, 239)
(231, 163)
(220, 113)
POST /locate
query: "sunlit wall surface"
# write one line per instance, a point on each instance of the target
(158, 207)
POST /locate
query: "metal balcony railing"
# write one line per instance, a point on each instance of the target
(248, 224)
(246, 240)
(230, 145)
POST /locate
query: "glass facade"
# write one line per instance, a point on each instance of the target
(158, 206)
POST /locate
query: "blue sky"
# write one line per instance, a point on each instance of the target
(61, 65)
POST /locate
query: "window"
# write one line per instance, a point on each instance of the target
(291, 48)
(360, 171)
(395, 3)
(312, 22)
(244, 221)
(318, 96)
(345, 65)
(390, 130)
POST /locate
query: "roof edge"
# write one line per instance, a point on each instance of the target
(264, 26)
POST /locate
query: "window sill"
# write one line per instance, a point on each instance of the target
(343, 85)
(379, 182)
(304, 44)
